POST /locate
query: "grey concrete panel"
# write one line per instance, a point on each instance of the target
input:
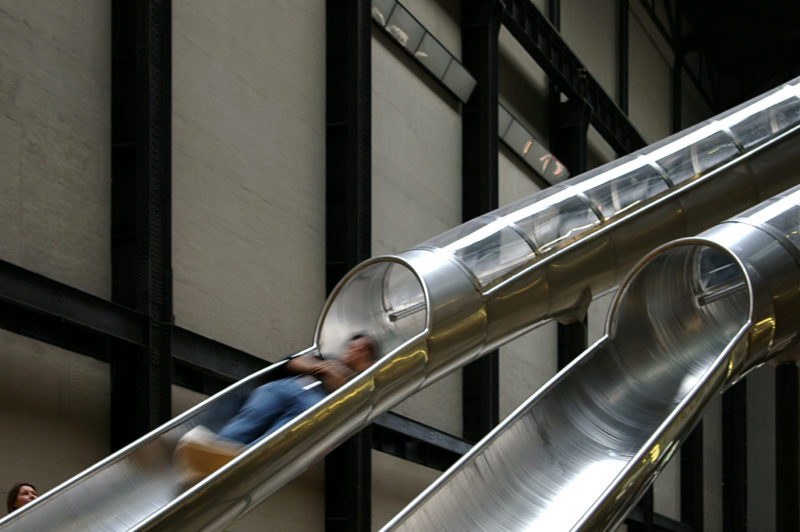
(55, 140)
(249, 171)
(650, 83)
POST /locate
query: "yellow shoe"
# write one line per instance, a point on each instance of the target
(200, 452)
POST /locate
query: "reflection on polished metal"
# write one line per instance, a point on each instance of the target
(581, 451)
(443, 304)
(719, 292)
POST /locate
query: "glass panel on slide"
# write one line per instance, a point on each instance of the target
(489, 248)
(552, 218)
(767, 118)
(693, 160)
(630, 190)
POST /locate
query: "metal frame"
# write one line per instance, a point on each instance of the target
(623, 33)
(787, 443)
(480, 24)
(141, 212)
(692, 484)
(734, 458)
(568, 140)
(569, 126)
(348, 236)
(410, 440)
(541, 40)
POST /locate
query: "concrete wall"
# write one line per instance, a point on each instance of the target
(590, 30)
(650, 81)
(249, 194)
(55, 135)
(54, 418)
(395, 483)
(416, 153)
(248, 172)
(522, 86)
(55, 221)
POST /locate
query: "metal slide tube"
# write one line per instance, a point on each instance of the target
(581, 451)
(443, 304)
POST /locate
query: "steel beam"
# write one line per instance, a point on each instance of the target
(569, 127)
(207, 366)
(544, 44)
(141, 205)
(348, 470)
(787, 447)
(623, 33)
(412, 441)
(692, 485)
(734, 458)
(480, 25)
(72, 311)
(348, 142)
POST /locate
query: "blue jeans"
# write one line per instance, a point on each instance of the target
(269, 407)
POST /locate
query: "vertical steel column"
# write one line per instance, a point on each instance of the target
(480, 26)
(734, 458)
(787, 447)
(646, 514)
(569, 125)
(677, 73)
(572, 340)
(348, 469)
(554, 13)
(141, 216)
(623, 31)
(692, 484)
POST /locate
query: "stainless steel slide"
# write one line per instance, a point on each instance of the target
(444, 304)
(688, 322)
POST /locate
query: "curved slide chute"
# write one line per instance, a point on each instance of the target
(445, 303)
(693, 318)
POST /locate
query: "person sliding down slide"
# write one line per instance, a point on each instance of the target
(200, 452)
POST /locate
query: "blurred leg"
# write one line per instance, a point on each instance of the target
(301, 401)
(265, 405)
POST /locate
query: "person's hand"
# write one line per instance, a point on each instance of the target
(333, 374)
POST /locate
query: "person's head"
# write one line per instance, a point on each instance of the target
(19, 495)
(359, 353)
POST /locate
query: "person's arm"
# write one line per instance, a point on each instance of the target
(332, 373)
(304, 365)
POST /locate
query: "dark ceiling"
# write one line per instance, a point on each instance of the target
(748, 46)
